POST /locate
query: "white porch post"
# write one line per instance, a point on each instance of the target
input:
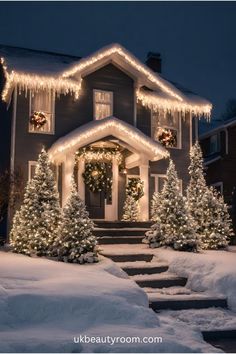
(67, 171)
(144, 201)
(81, 186)
(111, 210)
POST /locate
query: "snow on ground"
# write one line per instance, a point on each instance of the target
(213, 271)
(45, 304)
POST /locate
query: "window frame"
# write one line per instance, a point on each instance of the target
(52, 130)
(217, 144)
(30, 165)
(179, 131)
(219, 184)
(94, 102)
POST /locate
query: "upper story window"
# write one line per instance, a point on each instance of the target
(214, 144)
(42, 112)
(103, 104)
(166, 128)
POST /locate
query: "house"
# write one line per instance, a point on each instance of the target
(219, 152)
(107, 117)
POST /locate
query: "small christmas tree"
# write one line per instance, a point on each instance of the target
(210, 215)
(216, 220)
(131, 209)
(76, 243)
(173, 226)
(35, 224)
(155, 205)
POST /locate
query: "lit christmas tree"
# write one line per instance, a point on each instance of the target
(35, 224)
(131, 209)
(173, 225)
(155, 205)
(212, 222)
(76, 242)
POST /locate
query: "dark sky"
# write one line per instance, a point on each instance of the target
(196, 39)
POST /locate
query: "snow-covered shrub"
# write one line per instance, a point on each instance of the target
(130, 209)
(76, 242)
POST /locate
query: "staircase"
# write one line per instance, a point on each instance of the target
(122, 243)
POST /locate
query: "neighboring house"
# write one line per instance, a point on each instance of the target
(128, 119)
(219, 152)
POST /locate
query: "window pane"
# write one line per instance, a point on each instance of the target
(102, 104)
(42, 102)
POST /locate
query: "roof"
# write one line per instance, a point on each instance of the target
(217, 126)
(33, 70)
(99, 129)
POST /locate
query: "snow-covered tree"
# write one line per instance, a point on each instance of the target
(130, 209)
(173, 225)
(155, 205)
(210, 215)
(76, 242)
(216, 230)
(35, 224)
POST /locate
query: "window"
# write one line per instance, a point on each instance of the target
(31, 169)
(103, 104)
(214, 144)
(160, 180)
(166, 128)
(42, 108)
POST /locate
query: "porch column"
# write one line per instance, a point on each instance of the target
(81, 186)
(67, 172)
(144, 201)
(111, 210)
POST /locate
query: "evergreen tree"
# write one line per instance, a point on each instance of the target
(212, 222)
(76, 242)
(173, 225)
(35, 224)
(155, 205)
(131, 209)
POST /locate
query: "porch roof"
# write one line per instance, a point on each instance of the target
(99, 129)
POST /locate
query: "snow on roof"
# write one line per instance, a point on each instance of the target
(33, 70)
(108, 126)
(217, 126)
(35, 61)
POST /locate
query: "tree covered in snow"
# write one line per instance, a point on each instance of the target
(76, 242)
(155, 205)
(35, 224)
(130, 209)
(173, 223)
(210, 215)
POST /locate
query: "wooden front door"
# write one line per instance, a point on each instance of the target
(95, 203)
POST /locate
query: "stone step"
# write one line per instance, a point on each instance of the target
(221, 339)
(105, 240)
(122, 224)
(129, 257)
(162, 280)
(121, 232)
(160, 302)
(135, 268)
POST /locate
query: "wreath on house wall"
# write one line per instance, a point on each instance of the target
(38, 119)
(96, 178)
(166, 137)
(134, 188)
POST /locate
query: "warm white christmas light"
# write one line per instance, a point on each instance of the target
(152, 101)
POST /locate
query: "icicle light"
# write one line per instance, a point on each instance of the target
(152, 101)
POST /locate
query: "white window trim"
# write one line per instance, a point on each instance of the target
(218, 184)
(52, 132)
(94, 103)
(179, 131)
(30, 165)
(156, 176)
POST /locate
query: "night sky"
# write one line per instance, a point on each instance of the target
(197, 40)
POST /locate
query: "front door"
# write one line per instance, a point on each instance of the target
(95, 203)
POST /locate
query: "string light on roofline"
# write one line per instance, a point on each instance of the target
(152, 101)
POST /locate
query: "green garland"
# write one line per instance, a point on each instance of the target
(135, 188)
(95, 177)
